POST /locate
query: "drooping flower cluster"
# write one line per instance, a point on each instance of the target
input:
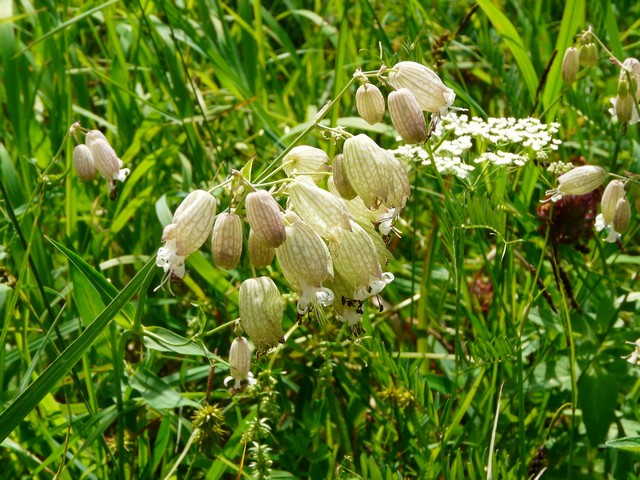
(331, 238)
(499, 141)
(97, 154)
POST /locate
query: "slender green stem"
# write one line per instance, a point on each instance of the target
(321, 114)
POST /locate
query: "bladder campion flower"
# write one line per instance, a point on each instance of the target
(605, 220)
(355, 258)
(106, 161)
(374, 173)
(260, 254)
(578, 181)
(191, 225)
(306, 263)
(589, 55)
(261, 311)
(340, 180)
(624, 108)
(634, 357)
(346, 308)
(239, 364)
(432, 95)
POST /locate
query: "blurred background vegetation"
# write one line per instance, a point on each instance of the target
(470, 371)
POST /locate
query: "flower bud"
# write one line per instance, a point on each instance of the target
(340, 179)
(260, 254)
(261, 311)
(370, 103)
(263, 214)
(226, 240)
(366, 166)
(406, 116)
(624, 105)
(239, 363)
(191, 225)
(613, 193)
(432, 95)
(306, 160)
(321, 210)
(589, 55)
(83, 162)
(306, 263)
(622, 216)
(570, 65)
(579, 181)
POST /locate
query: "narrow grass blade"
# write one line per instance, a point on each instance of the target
(572, 20)
(45, 383)
(514, 42)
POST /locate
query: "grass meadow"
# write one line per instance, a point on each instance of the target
(504, 348)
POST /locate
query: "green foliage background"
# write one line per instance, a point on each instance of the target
(467, 373)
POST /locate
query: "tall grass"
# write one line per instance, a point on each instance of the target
(498, 351)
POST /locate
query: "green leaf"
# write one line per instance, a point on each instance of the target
(572, 20)
(597, 397)
(630, 444)
(163, 340)
(55, 372)
(158, 393)
(514, 42)
(90, 281)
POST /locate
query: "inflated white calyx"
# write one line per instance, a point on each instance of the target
(432, 95)
(306, 263)
(192, 223)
